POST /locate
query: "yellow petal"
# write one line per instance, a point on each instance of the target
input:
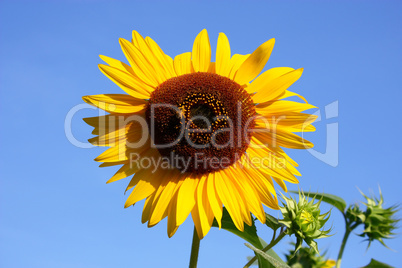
(117, 64)
(227, 193)
(290, 122)
(258, 179)
(301, 127)
(201, 52)
(182, 64)
(222, 66)
(172, 211)
(110, 139)
(112, 122)
(150, 153)
(164, 60)
(277, 153)
(282, 106)
(186, 198)
(132, 166)
(239, 193)
(271, 165)
(141, 66)
(152, 59)
(125, 171)
(147, 182)
(253, 200)
(126, 133)
(167, 190)
(264, 186)
(104, 122)
(267, 77)
(129, 83)
(268, 90)
(202, 213)
(255, 63)
(113, 164)
(214, 201)
(284, 139)
(122, 152)
(288, 94)
(197, 221)
(146, 212)
(281, 183)
(113, 154)
(235, 62)
(111, 131)
(211, 68)
(116, 103)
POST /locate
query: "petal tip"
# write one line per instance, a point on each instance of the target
(126, 205)
(123, 42)
(101, 66)
(87, 99)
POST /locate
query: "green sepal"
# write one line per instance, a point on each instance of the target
(333, 200)
(272, 222)
(376, 264)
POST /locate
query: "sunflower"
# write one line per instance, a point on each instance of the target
(197, 135)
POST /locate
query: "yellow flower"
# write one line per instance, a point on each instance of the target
(329, 264)
(197, 135)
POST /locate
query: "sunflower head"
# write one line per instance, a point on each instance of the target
(379, 222)
(303, 219)
(195, 135)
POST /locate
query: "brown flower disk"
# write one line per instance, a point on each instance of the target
(201, 117)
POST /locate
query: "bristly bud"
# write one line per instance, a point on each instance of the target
(303, 219)
(355, 215)
(308, 258)
(379, 222)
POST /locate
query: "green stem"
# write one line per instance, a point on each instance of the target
(345, 238)
(271, 245)
(195, 248)
(349, 229)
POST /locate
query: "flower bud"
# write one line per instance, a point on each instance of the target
(379, 222)
(307, 258)
(303, 219)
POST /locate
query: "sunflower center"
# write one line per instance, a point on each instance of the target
(200, 122)
(199, 112)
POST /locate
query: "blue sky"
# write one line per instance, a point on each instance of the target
(55, 208)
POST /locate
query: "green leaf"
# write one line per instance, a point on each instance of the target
(376, 264)
(250, 235)
(270, 252)
(268, 257)
(254, 263)
(272, 222)
(331, 199)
